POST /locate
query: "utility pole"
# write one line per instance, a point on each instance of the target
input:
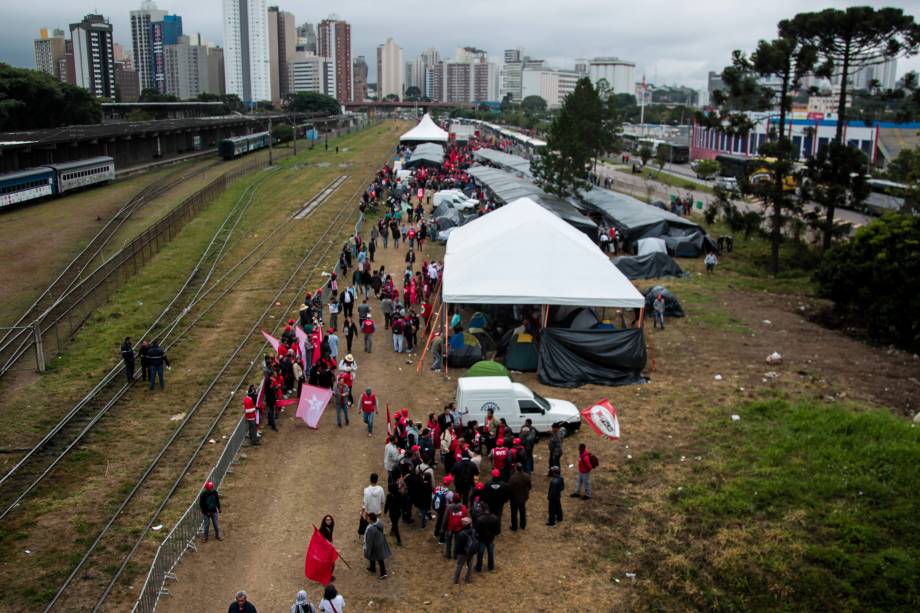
(269, 141)
(294, 122)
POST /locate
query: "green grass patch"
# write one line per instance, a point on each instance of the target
(673, 181)
(805, 506)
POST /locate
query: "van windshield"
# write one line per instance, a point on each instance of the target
(543, 402)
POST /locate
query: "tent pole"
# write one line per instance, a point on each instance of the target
(432, 331)
(545, 315)
(446, 338)
(651, 350)
(641, 317)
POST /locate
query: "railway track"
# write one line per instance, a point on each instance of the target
(14, 343)
(175, 458)
(38, 462)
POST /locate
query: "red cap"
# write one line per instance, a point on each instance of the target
(209, 485)
(416, 448)
(448, 479)
(405, 411)
(330, 331)
(496, 472)
(480, 486)
(291, 322)
(500, 442)
(516, 441)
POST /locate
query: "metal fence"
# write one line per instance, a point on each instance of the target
(182, 536)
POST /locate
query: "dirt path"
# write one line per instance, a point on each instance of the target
(298, 475)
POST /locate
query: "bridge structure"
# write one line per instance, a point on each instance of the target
(374, 106)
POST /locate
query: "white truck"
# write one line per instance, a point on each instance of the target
(514, 402)
(456, 198)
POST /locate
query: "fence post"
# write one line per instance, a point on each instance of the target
(39, 350)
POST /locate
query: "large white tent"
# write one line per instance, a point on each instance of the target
(427, 131)
(523, 254)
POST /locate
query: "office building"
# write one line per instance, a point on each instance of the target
(306, 38)
(308, 72)
(162, 34)
(619, 74)
(188, 68)
(282, 44)
(551, 85)
(360, 70)
(713, 83)
(127, 83)
(458, 81)
(141, 22)
(511, 75)
(66, 68)
(390, 70)
(333, 41)
(513, 56)
(246, 55)
(485, 82)
(216, 83)
(435, 89)
(93, 53)
(48, 52)
(885, 73)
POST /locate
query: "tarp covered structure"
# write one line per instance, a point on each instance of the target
(644, 246)
(427, 131)
(507, 187)
(426, 154)
(505, 161)
(650, 266)
(571, 358)
(636, 220)
(523, 254)
(672, 306)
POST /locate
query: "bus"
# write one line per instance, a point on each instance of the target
(755, 170)
(885, 197)
(680, 154)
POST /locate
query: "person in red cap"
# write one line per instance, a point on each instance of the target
(501, 457)
(369, 409)
(518, 452)
(453, 518)
(497, 494)
(249, 412)
(209, 503)
(439, 500)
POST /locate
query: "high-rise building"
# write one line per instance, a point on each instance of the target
(282, 44)
(485, 82)
(308, 72)
(216, 83)
(436, 82)
(360, 70)
(48, 52)
(884, 72)
(141, 22)
(512, 74)
(246, 59)
(163, 33)
(66, 67)
(94, 59)
(713, 83)
(390, 67)
(306, 38)
(551, 85)
(333, 40)
(188, 68)
(619, 74)
(458, 81)
(126, 82)
(581, 66)
(513, 56)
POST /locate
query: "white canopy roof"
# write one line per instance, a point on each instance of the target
(523, 254)
(426, 131)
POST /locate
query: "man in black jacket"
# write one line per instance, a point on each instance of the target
(464, 471)
(518, 492)
(467, 546)
(156, 356)
(127, 354)
(488, 526)
(209, 503)
(497, 494)
(554, 495)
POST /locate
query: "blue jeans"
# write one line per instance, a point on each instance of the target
(423, 517)
(484, 547)
(154, 372)
(208, 519)
(369, 420)
(341, 411)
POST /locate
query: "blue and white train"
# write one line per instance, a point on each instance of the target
(54, 179)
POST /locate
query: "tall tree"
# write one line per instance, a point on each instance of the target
(31, 100)
(580, 132)
(533, 104)
(312, 102)
(849, 40)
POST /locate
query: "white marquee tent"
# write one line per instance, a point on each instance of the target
(427, 131)
(523, 254)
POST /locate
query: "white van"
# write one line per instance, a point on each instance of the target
(456, 198)
(514, 402)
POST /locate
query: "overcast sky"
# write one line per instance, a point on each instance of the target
(671, 41)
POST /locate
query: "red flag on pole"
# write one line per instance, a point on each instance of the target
(320, 560)
(274, 342)
(602, 417)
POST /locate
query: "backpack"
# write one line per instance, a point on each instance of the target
(472, 542)
(368, 326)
(592, 459)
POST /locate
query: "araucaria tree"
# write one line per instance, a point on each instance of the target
(849, 40)
(582, 131)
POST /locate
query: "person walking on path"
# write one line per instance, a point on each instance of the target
(554, 496)
(209, 503)
(157, 358)
(145, 361)
(497, 494)
(555, 447)
(241, 604)
(369, 409)
(585, 466)
(333, 340)
(376, 548)
(467, 547)
(332, 601)
(127, 354)
(393, 507)
(374, 497)
(334, 312)
(249, 412)
(341, 401)
(350, 330)
(302, 603)
(368, 328)
(711, 261)
(658, 308)
(518, 492)
(488, 526)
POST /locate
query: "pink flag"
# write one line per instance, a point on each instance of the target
(302, 341)
(274, 342)
(602, 417)
(313, 401)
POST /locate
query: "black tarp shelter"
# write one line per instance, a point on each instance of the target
(572, 358)
(649, 266)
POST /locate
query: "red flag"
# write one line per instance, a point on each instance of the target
(602, 417)
(320, 560)
(274, 342)
(312, 403)
(389, 422)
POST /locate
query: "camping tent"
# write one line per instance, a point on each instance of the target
(522, 353)
(650, 266)
(426, 154)
(487, 368)
(427, 131)
(523, 254)
(644, 246)
(672, 306)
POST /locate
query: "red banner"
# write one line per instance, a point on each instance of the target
(602, 417)
(313, 401)
(320, 560)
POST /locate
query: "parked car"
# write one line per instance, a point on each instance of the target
(514, 402)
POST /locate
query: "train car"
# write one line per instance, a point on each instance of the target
(83, 173)
(26, 185)
(232, 148)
